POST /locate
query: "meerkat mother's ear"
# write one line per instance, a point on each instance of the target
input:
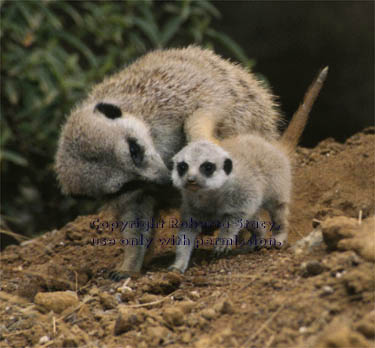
(228, 166)
(109, 110)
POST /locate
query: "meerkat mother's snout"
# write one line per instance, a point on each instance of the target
(102, 149)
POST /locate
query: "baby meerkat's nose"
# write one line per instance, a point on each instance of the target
(191, 181)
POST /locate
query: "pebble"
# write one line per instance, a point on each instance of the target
(224, 307)
(312, 268)
(173, 316)
(194, 295)
(327, 290)
(157, 334)
(126, 321)
(208, 313)
(108, 301)
(56, 301)
(43, 339)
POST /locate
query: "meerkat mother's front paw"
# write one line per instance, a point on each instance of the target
(173, 268)
(118, 275)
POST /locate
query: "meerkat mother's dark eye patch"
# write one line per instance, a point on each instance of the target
(228, 165)
(182, 168)
(207, 168)
(109, 110)
(136, 152)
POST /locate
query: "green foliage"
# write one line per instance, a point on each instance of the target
(52, 52)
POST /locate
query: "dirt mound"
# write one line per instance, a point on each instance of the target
(317, 293)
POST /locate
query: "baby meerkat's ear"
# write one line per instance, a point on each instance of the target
(228, 166)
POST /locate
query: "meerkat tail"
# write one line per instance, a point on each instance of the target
(296, 126)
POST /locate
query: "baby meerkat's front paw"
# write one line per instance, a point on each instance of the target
(220, 250)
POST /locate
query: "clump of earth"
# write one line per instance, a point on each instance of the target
(317, 291)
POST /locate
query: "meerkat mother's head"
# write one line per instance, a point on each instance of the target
(101, 149)
(201, 166)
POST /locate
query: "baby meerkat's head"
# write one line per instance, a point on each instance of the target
(101, 149)
(201, 165)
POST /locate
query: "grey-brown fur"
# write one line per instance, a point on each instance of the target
(229, 184)
(166, 98)
(261, 178)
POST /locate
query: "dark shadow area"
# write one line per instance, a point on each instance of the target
(292, 40)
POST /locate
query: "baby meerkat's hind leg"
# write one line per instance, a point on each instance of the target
(257, 232)
(201, 125)
(139, 207)
(279, 216)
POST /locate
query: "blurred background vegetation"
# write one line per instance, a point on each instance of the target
(52, 52)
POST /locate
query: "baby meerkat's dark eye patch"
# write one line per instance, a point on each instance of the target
(228, 166)
(207, 168)
(182, 168)
(109, 110)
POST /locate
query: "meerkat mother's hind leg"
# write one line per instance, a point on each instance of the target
(136, 236)
(201, 125)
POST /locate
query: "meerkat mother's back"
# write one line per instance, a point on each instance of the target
(166, 86)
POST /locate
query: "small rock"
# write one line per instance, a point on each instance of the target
(43, 339)
(173, 316)
(337, 228)
(94, 291)
(178, 296)
(73, 235)
(359, 279)
(70, 342)
(327, 290)
(341, 336)
(366, 326)
(186, 306)
(126, 321)
(56, 301)
(194, 295)
(208, 313)
(168, 283)
(157, 334)
(200, 281)
(108, 301)
(224, 307)
(203, 342)
(306, 244)
(363, 242)
(186, 337)
(312, 268)
(127, 295)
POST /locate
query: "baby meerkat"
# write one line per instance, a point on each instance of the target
(124, 134)
(230, 183)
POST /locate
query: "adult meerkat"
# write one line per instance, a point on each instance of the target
(230, 183)
(124, 134)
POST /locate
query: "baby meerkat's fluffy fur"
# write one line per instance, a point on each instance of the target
(232, 182)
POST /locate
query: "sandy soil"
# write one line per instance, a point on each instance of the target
(317, 292)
